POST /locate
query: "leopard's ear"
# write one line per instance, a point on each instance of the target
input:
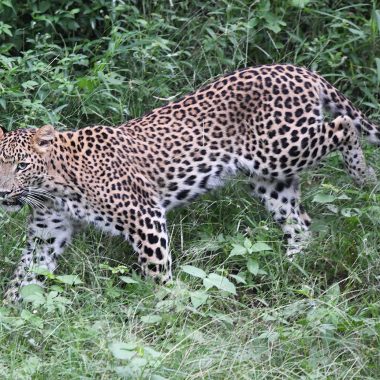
(43, 138)
(3, 131)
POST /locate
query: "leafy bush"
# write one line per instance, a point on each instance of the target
(76, 62)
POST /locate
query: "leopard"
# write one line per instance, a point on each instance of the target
(266, 123)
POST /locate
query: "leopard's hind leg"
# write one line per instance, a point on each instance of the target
(282, 198)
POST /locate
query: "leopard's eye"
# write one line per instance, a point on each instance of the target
(22, 166)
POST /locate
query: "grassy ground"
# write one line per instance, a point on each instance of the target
(237, 309)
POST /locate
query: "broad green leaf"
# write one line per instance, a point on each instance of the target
(42, 271)
(33, 293)
(194, 271)
(247, 243)
(86, 83)
(7, 3)
(357, 32)
(31, 290)
(348, 212)
(198, 298)
(151, 319)
(57, 288)
(239, 278)
(114, 79)
(30, 84)
(260, 246)
(238, 250)
(324, 198)
(43, 6)
(128, 280)
(333, 208)
(121, 350)
(273, 22)
(253, 266)
(220, 282)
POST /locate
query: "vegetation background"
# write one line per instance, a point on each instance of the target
(238, 309)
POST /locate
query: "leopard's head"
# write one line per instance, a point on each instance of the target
(23, 165)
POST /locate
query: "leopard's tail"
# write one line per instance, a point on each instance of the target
(336, 103)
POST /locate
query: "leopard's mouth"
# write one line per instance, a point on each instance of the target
(12, 202)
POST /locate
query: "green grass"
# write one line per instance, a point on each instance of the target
(317, 317)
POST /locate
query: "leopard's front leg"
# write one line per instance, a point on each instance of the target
(49, 232)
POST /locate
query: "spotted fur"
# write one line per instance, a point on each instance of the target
(266, 122)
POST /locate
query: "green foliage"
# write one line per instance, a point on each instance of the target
(237, 307)
(138, 358)
(104, 62)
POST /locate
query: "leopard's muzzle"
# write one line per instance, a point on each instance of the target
(10, 202)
